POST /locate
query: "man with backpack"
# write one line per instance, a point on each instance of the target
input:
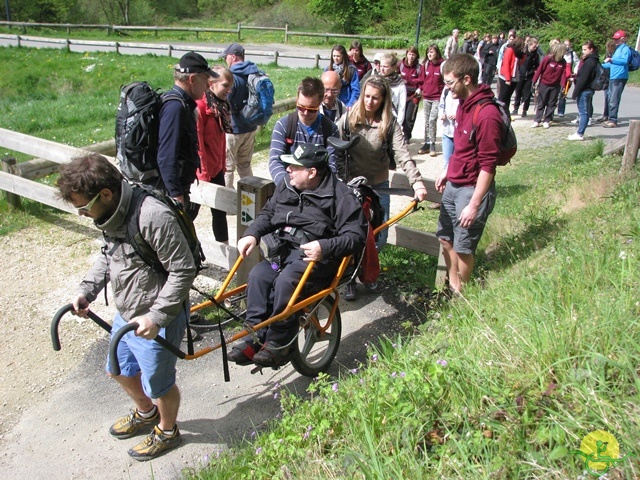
(305, 125)
(312, 216)
(618, 66)
(178, 157)
(468, 183)
(158, 300)
(241, 141)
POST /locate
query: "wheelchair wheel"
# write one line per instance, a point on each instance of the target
(317, 345)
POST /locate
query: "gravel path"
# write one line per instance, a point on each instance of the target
(57, 406)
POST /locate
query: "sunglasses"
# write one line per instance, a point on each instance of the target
(303, 109)
(451, 83)
(87, 208)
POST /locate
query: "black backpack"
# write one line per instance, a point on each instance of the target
(137, 126)
(601, 80)
(508, 141)
(140, 245)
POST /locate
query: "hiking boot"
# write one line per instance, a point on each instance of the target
(155, 444)
(130, 425)
(609, 124)
(424, 149)
(432, 150)
(602, 119)
(371, 286)
(514, 111)
(351, 293)
(271, 355)
(242, 354)
(524, 115)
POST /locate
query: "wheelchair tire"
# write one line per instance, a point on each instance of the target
(314, 350)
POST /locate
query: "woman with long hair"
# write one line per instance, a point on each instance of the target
(372, 119)
(411, 72)
(213, 122)
(582, 90)
(339, 63)
(358, 60)
(510, 70)
(549, 76)
(432, 86)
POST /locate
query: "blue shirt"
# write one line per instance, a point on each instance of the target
(619, 65)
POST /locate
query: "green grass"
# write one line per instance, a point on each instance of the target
(506, 381)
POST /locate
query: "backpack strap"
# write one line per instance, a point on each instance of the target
(290, 133)
(327, 127)
(134, 236)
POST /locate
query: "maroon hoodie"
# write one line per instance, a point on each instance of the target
(469, 158)
(432, 81)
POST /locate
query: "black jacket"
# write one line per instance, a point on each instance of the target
(586, 74)
(490, 53)
(529, 65)
(331, 213)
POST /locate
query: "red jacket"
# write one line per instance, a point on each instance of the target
(432, 80)
(469, 158)
(510, 65)
(212, 143)
(550, 72)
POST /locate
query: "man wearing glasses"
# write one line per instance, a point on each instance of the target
(305, 125)
(157, 301)
(468, 185)
(332, 107)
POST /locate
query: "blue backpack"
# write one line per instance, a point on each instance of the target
(259, 106)
(634, 60)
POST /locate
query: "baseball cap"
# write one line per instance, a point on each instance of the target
(192, 62)
(307, 155)
(233, 49)
(619, 34)
(378, 57)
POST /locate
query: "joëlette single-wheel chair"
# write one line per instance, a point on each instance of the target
(320, 325)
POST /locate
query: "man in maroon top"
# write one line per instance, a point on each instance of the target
(468, 183)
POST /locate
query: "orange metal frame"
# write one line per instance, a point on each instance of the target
(292, 307)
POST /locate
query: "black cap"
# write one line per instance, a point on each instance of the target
(192, 62)
(233, 49)
(307, 155)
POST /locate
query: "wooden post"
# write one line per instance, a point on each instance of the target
(239, 31)
(441, 270)
(117, 45)
(8, 166)
(253, 193)
(317, 60)
(170, 49)
(286, 32)
(276, 54)
(632, 146)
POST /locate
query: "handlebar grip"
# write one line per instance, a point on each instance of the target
(114, 365)
(55, 338)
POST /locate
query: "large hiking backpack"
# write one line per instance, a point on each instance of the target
(508, 142)
(634, 60)
(259, 106)
(137, 126)
(140, 245)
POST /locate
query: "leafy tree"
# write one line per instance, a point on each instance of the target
(43, 11)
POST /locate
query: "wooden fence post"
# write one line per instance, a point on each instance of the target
(632, 146)
(317, 60)
(8, 166)
(253, 193)
(276, 54)
(239, 31)
(286, 32)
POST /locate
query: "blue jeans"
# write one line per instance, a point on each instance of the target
(585, 109)
(385, 202)
(616, 87)
(447, 149)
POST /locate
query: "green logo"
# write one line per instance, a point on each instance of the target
(600, 451)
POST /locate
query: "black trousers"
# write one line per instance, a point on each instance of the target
(506, 91)
(269, 292)
(523, 94)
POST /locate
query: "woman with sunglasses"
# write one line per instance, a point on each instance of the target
(339, 63)
(372, 118)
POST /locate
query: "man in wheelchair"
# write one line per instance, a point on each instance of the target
(312, 216)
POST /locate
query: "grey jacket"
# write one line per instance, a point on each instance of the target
(139, 289)
(369, 158)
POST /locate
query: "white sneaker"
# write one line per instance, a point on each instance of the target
(535, 124)
(589, 122)
(575, 136)
(561, 114)
(546, 125)
(575, 121)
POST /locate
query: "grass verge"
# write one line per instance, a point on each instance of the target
(506, 381)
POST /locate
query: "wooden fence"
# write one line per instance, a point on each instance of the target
(196, 30)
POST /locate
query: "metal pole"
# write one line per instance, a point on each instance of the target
(6, 4)
(418, 25)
